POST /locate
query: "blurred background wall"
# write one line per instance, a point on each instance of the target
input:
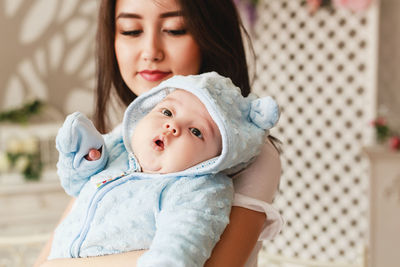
(47, 53)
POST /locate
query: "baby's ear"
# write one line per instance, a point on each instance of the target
(264, 112)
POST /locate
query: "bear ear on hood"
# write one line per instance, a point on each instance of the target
(264, 112)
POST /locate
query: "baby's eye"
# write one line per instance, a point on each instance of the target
(196, 132)
(166, 112)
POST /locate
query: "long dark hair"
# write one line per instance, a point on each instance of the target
(214, 24)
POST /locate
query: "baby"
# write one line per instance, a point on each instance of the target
(163, 185)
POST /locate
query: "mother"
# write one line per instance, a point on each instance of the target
(143, 42)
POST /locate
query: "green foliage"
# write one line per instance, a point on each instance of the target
(34, 169)
(383, 133)
(31, 169)
(22, 115)
(26, 162)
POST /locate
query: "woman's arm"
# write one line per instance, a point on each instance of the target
(235, 246)
(46, 249)
(259, 181)
(120, 260)
(123, 259)
(238, 239)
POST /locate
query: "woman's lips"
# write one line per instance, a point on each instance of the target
(154, 75)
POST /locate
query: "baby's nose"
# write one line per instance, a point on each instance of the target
(172, 128)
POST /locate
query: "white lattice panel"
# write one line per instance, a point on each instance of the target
(321, 70)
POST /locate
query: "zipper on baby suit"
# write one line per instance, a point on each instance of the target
(102, 188)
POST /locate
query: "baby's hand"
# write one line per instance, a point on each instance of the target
(82, 152)
(93, 154)
(76, 138)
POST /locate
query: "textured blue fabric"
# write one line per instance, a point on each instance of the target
(179, 217)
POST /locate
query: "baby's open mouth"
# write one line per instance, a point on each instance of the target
(159, 143)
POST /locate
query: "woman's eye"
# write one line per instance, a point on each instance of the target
(196, 132)
(176, 32)
(166, 112)
(132, 33)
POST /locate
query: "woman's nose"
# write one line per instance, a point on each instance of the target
(173, 128)
(152, 48)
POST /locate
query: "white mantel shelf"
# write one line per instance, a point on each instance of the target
(29, 188)
(384, 210)
(381, 152)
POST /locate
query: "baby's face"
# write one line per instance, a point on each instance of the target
(177, 134)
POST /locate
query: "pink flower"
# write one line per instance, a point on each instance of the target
(247, 9)
(354, 5)
(378, 122)
(313, 5)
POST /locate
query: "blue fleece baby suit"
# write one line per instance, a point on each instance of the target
(178, 217)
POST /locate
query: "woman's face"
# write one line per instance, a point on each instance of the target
(152, 43)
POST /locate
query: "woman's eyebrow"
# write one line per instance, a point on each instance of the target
(128, 15)
(177, 13)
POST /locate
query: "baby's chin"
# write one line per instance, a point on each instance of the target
(156, 165)
(157, 169)
(151, 169)
(149, 165)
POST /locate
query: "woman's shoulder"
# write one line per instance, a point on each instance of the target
(260, 180)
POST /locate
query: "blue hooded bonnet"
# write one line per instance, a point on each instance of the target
(242, 121)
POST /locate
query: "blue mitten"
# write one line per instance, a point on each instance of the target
(74, 140)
